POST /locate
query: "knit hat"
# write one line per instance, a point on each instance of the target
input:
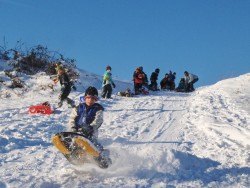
(91, 92)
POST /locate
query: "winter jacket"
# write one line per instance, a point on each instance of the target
(154, 77)
(107, 79)
(145, 79)
(86, 117)
(167, 83)
(172, 76)
(181, 87)
(190, 78)
(138, 77)
(64, 79)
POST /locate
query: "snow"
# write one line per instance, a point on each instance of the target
(164, 139)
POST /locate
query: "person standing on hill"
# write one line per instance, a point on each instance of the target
(145, 77)
(107, 83)
(190, 79)
(138, 80)
(153, 78)
(65, 87)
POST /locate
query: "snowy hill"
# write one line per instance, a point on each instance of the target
(164, 139)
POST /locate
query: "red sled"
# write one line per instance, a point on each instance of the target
(43, 108)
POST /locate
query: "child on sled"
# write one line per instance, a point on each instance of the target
(87, 117)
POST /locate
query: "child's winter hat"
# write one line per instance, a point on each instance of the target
(91, 92)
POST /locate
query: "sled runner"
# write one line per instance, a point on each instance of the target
(79, 150)
(43, 108)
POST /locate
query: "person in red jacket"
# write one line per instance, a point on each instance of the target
(138, 80)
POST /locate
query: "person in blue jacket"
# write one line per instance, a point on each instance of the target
(86, 119)
(107, 83)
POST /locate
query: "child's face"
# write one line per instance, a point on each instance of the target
(90, 100)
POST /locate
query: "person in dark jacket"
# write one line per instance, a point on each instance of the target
(172, 76)
(153, 78)
(65, 88)
(181, 86)
(167, 83)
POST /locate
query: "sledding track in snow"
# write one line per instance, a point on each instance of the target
(219, 127)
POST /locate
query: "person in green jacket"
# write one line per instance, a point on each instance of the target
(107, 83)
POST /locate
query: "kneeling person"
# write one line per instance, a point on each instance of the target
(190, 79)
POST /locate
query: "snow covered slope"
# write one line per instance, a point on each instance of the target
(165, 139)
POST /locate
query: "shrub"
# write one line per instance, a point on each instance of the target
(37, 59)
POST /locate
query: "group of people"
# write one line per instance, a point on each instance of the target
(186, 84)
(140, 79)
(167, 83)
(67, 85)
(87, 117)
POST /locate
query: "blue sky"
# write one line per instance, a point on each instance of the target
(210, 38)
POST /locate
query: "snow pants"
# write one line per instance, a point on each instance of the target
(153, 86)
(65, 91)
(107, 91)
(190, 85)
(137, 88)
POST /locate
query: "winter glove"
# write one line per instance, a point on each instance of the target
(88, 130)
(74, 129)
(113, 85)
(73, 87)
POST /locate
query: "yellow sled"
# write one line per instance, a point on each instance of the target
(75, 147)
(56, 140)
(87, 146)
(79, 150)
